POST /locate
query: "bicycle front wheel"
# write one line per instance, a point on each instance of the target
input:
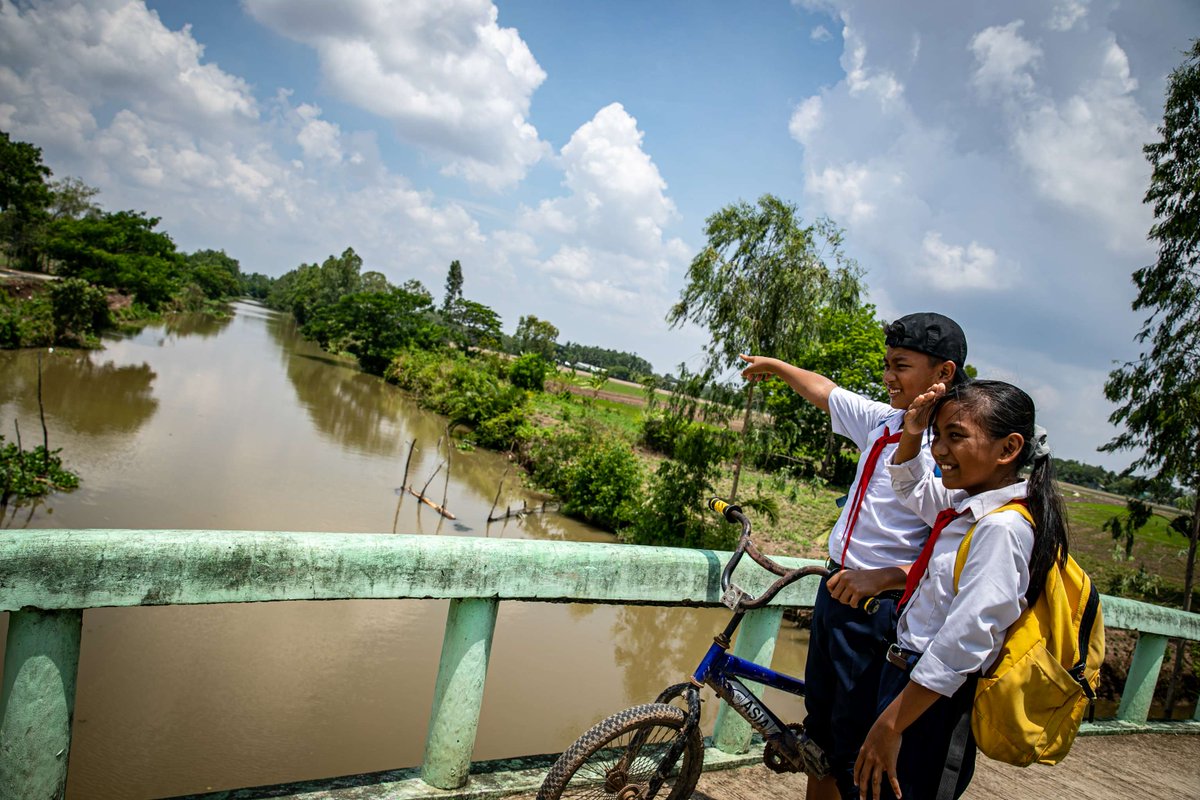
(618, 756)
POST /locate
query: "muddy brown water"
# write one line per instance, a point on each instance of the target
(239, 424)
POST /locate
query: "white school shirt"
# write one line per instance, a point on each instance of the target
(886, 533)
(960, 633)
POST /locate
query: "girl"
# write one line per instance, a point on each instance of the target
(983, 436)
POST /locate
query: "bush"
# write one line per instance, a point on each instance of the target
(674, 516)
(528, 372)
(80, 310)
(597, 477)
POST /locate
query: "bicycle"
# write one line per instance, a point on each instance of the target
(636, 753)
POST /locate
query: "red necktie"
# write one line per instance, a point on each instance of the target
(860, 492)
(944, 518)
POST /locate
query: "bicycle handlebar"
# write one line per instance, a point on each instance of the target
(734, 514)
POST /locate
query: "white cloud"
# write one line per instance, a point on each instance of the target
(1005, 60)
(820, 34)
(611, 222)
(318, 138)
(994, 172)
(443, 71)
(1066, 13)
(805, 119)
(956, 268)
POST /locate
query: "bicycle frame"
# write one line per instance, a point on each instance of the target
(721, 671)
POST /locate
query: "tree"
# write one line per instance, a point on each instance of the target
(218, 275)
(374, 326)
(71, 198)
(848, 350)
(535, 336)
(454, 282)
(119, 250)
(1159, 392)
(24, 196)
(760, 283)
(1124, 526)
(476, 325)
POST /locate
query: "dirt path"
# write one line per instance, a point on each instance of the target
(1145, 767)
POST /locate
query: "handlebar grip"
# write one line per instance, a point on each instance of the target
(726, 510)
(869, 605)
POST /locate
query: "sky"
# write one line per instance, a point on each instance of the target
(985, 159)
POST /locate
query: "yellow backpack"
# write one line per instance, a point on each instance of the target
(1029, 704)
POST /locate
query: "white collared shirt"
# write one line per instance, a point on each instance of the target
(960, 633)
(886, 533)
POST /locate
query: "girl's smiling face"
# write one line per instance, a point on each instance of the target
(970, 459)
(907, 373)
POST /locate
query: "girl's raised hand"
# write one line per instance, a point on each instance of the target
(916, 418)
(760, 367)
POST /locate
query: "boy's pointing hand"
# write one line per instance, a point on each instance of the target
(760, 367)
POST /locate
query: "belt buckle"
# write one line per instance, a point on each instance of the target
(896, 657)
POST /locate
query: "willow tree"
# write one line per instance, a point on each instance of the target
(760, 284)
(1160, 390)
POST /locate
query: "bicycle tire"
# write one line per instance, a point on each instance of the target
(590, 768)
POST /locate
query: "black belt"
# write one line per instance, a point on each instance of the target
(900, 658)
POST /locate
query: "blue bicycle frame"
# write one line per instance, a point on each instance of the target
(788, 749)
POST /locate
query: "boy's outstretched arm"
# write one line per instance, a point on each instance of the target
(813, 387)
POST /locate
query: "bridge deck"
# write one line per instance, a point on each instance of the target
(1142, 766)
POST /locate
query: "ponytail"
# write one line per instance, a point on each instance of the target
(1001, 409)
(1049, 525)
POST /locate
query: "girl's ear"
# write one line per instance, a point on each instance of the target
(1012, 446)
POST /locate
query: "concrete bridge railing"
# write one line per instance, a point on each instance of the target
(48, 577)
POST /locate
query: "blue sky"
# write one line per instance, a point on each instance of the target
(984, 158)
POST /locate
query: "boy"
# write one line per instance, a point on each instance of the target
(874, 541)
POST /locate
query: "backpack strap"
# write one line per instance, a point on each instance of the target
(1086, 623)
(960, 559)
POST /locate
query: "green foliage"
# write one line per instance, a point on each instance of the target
(528, 372)
(121, 251)
(31, 473)
(1137, 583)
(597, 476)
(27, 323)
(257, 285)
(24, 197)
(535, 336)
(848, 349)
(1124, 526)
(673, 515)
(469, 391)
(80, 310)
(454, 284)
(216, 274)
(620, 365)
(310, 287)
(374, 326)
(473, 325)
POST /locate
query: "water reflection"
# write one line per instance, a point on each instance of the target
(89, 395)
(203, 326)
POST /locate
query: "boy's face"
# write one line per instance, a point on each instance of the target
(907, 373)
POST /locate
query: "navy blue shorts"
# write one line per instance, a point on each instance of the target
(845, 654)
(926, 742)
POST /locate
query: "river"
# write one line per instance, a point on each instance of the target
(239, 424)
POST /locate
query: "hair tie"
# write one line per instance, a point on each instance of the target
(1041, 448)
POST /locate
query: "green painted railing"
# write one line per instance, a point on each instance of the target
(47, 579)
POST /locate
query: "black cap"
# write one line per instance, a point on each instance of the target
(927, 332)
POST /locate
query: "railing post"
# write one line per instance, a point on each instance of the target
(37, 702)
(1143, 674)
(755, 642)
(458, 694)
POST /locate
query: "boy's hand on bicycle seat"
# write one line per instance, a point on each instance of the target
(852, 586)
